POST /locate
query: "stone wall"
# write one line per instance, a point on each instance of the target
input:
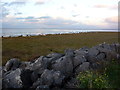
(56, 70)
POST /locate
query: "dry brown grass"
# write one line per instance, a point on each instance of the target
(29, 48)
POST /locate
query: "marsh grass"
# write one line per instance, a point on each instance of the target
(30, 47)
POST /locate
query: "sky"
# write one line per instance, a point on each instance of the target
(62, 14)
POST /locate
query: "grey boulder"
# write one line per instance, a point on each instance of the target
(82, 51)
(37, 83)
(64, 65)
(69, 52)
(101, 56)
(54, 56)
(12, 64)
(51, 77)
(23, 65)
(39, 65)
(13, 79)
(92, 53)
(83, 67)
(79, 59)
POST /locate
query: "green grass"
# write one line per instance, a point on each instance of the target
(89, 79)
(29, 48)
(113, 72)
(109, 78)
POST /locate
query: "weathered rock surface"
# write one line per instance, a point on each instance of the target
(12, 64)
(64, 65)
(13, 79)
(54, 56)
(57, 70)
(79, 60)
(83, 67)
(69, 52)
(24, 65)
(50, 77)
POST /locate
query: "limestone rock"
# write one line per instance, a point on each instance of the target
(12, 64)
(13, 79)
(69, 52)
(23, 65)
(37, 83)
(64, 65)
(101, 56)
(51, 77)
(79, 59)
(54, 56)
(83, 67)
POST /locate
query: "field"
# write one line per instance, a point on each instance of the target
(30, 47)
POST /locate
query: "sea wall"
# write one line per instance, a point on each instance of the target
(57, 70)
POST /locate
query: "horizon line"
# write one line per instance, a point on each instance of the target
(60, 28)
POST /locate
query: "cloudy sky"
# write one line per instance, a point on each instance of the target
(66, 14)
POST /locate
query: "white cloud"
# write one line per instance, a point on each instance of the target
(58, 13)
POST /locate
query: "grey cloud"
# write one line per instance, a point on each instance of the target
(6, 8)
(59, 21)
(112, 22)
(30, 17)
(44, 17)
(111, 19)
(4, 12)
(76, 15)
(62, 7)
(4, 4)
(114, 7)
(18, 13)
(12, 3)
(75, 5)
(34, 20)
(16, 3)
(87, 16)
(48, 23)
(39, 3)
(20, 18)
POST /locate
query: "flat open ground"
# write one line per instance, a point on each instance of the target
(29, 48)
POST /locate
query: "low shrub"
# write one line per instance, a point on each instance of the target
(109, 78)
(89, 79)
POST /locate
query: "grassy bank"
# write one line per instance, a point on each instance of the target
(29, 48)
